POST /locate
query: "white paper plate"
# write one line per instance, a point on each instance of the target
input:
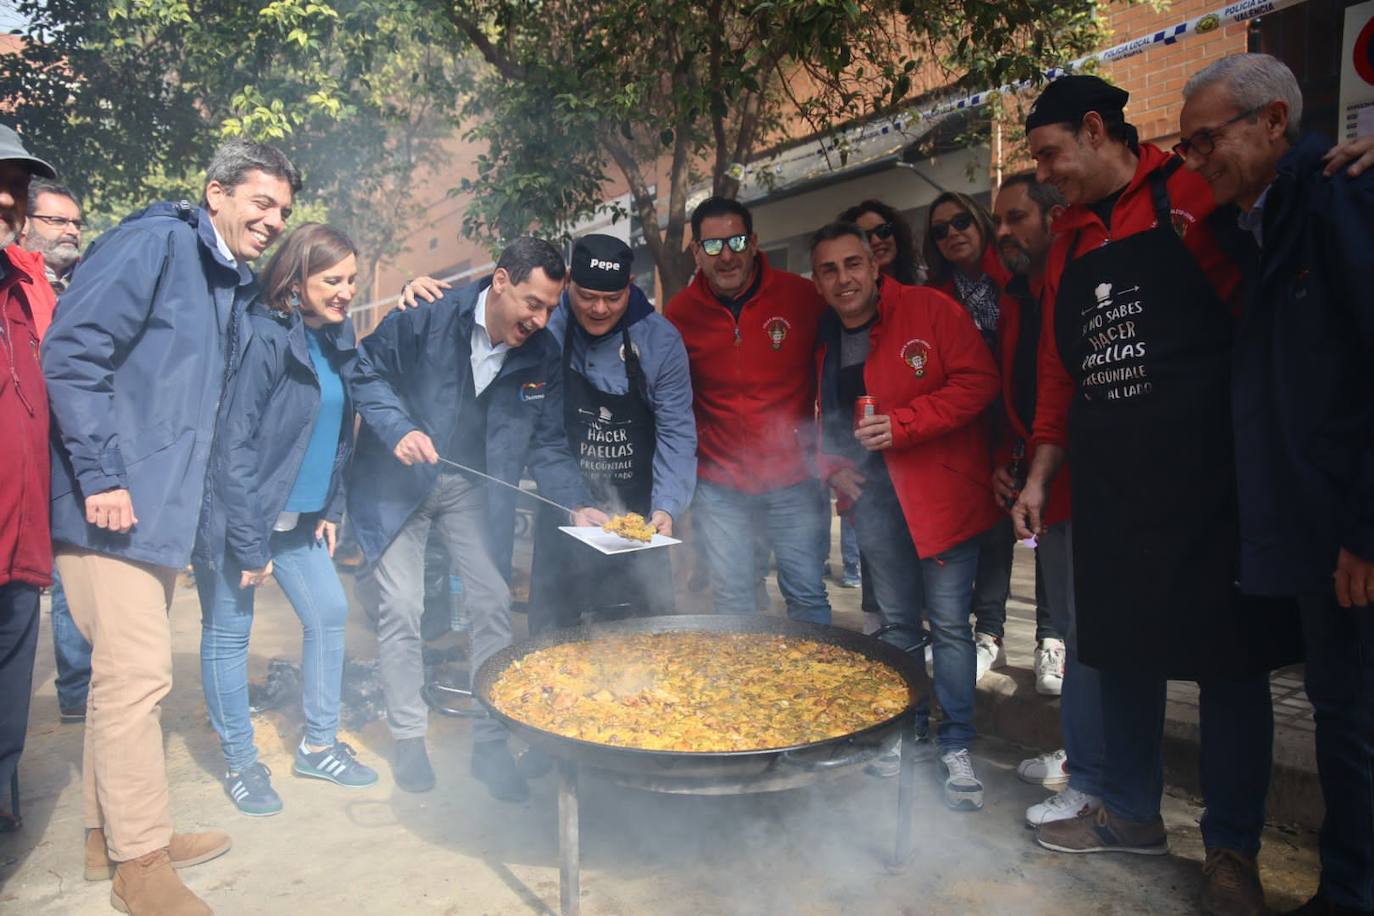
(607, 543)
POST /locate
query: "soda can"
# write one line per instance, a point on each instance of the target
(864, 406)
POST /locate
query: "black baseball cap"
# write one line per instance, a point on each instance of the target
(12, 148)
(601, 263)
(1069, 98)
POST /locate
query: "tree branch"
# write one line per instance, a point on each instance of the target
(490, 53)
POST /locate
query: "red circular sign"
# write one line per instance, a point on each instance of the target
(1364, 53)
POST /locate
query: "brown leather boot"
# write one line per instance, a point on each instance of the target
(1231, 884)
(149, 886)
(187, 849)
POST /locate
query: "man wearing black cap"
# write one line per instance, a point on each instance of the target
(627, 412)
(1134, 381)
(25, 545)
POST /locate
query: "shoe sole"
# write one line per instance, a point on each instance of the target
(1133, 850)
(963, 803)
(1055, 784)
(106, 873)
(327, 778)
(1050, 692)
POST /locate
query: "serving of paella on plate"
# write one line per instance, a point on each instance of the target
(691, 691)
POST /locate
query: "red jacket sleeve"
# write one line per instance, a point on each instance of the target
(971, 381)
(1054, 386)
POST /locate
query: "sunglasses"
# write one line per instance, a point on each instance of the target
(1204, 141)
(880, 231)
(713, 247)
(960, 222)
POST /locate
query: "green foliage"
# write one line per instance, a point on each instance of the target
(675, 93)
(129, 98)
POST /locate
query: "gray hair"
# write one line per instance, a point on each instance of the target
(40, 186)
(235, 158)
(838, 230)
(1254, 80)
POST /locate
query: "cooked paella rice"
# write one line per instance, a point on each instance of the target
(699, 691)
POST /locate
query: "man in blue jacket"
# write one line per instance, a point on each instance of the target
(473, 378)
(136, 363)
(1303, 395)
(627, 411)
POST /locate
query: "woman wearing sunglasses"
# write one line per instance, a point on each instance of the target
(960, 251)
(890, 238)
(285, 434)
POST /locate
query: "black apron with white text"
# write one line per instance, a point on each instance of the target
(612, 437)
(1147, 341)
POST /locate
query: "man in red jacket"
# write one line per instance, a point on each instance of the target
(917, 471)
(1134, 381)
(750, 332)
(25, 544)
(1023, 213)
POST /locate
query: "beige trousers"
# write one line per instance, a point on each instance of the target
(121, 607)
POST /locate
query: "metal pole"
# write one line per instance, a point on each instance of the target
(906, 793)
(569, 855)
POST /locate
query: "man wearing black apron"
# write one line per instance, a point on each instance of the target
(627, 410)
(1134, 382)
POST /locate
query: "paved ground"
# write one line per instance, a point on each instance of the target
(455, 851)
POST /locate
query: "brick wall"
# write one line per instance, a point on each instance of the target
(1155, 79)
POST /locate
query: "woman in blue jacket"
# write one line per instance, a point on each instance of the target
(284, 437)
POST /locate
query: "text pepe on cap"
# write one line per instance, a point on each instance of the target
(601, 263)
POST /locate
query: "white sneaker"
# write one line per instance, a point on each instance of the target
(963, 791)
(1049, 667)
(1063, 806)
(1048, 770)
(989, 653)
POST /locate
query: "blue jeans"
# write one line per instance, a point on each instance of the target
(1340, 684)
(304, 570)
(992, 580)
(849, 548)
(1080, 703)
(71, 650)
(942, 585)
(793, 519)
(18, 643)
(1236, 731)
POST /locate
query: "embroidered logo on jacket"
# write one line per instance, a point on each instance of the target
(776, 328)
(532, 391)
(916, 353)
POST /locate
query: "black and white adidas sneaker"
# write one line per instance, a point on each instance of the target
(338, 764)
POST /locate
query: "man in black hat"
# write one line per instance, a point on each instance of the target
(627, 412)
(1134, 381)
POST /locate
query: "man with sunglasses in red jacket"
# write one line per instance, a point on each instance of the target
(750, 332)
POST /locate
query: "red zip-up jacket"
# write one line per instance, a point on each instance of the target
(25, 539)
(753, 380)
(1190, 199)
(1057, 507)
(939, 461)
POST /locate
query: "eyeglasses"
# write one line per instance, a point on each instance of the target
(880, 231)
(713, 247)
(59, 222)
(959, 221)
(1204, 140)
